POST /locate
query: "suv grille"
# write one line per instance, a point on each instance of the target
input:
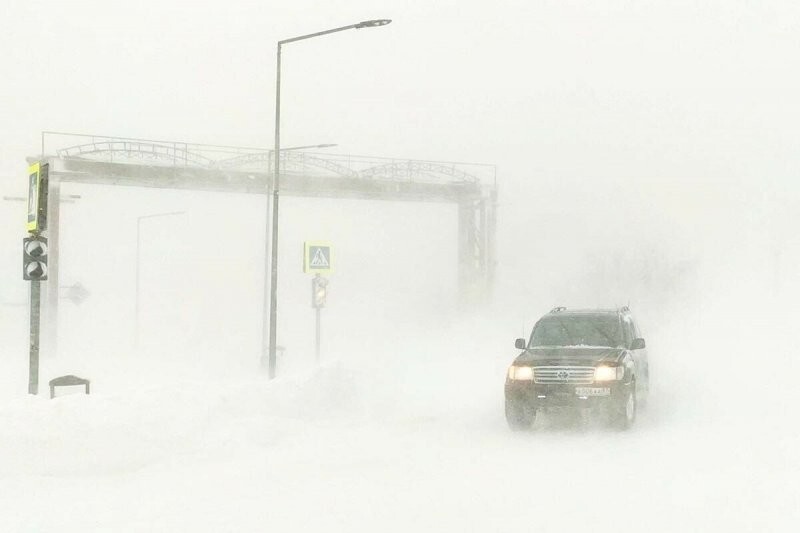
(580, 375)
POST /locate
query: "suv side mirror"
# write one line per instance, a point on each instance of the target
(637, 344)
(519, 344)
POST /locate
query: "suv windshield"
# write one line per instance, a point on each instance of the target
(577, 330)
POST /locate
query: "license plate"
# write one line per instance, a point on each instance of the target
(592, 391)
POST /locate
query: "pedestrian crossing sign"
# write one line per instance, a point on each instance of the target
(317, 257)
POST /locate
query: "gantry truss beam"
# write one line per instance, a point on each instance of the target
(79, 170)
(107, 160)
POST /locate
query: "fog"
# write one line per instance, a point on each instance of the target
(646, 156)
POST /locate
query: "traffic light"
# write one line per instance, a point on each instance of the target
(34, 259)
(319, 291)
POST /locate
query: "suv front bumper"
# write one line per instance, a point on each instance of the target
(557, 395)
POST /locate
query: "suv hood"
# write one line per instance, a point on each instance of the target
(569, 355)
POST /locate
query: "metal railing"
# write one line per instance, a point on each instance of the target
(241, 158)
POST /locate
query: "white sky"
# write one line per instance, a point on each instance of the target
(673, 123)
(654, 88)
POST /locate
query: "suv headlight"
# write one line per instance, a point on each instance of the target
(609, 373)
(520, 373)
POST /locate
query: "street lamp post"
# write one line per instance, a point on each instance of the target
(273, 286)
(265, 312)
(138, 266)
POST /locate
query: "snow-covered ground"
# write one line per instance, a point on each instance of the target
(401, 428)
(412, 442)
(647, 155)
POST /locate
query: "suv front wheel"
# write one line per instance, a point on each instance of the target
(519, 415)
(623, 415)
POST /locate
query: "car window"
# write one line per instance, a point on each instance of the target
(589, 330)
(627, 329)
(636, 333)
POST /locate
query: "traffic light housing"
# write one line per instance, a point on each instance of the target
(319, 291)
(34, 258)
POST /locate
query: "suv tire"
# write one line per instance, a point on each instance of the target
(624, 415)
(519, 416)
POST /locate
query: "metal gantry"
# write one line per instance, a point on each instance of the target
(78, 158)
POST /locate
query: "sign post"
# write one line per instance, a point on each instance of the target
(318, 342)
(318, 260)
(33, 355)
(319, 293)
(34, 258)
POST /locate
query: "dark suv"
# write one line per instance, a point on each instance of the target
(579, 359)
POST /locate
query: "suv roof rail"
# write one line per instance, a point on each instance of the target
(558, 309)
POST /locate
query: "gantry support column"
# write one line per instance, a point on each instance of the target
(469, 252)
(477, 223)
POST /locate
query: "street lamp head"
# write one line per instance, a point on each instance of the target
(373, 23)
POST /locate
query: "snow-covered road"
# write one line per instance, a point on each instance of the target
(336, 450)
